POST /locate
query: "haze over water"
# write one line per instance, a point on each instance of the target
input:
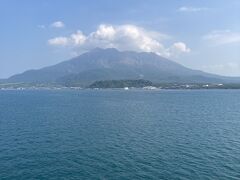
(117, 134)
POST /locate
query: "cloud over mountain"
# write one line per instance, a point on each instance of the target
(122, 37)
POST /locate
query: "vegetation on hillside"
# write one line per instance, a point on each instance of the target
(121, 83)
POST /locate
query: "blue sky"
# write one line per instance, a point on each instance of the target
(199, 34)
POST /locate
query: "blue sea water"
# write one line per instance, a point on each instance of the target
(117, 134)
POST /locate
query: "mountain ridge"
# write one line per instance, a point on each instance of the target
(111, 64)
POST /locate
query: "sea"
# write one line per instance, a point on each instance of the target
(119, 134)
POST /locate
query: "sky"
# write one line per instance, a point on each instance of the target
(200, 34)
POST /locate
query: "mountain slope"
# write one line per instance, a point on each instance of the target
(111, 64)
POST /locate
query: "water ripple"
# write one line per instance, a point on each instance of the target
(120, 134)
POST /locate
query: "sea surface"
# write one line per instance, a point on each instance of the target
(117, 134)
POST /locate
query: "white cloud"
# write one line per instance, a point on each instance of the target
(78, 38)
(123, 37)
(59, 41)
(179, 47)
(75, 39)
(222, 37)
(105, 32)
(58, 24)
(191, 9)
